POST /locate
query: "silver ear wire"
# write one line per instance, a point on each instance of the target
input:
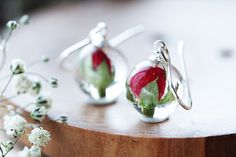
(97, 37)
(160, 46)
(184, 74)
(69, 51)
(122, 37)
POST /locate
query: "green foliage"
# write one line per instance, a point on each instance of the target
(169, 97)
(148, 96)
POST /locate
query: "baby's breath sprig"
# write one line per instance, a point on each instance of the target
(25, 82)
(11, 26)
(17, 67)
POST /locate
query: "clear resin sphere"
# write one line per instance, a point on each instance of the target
(148, 91)
(101, 73)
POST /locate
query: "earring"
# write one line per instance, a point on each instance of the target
(100, 68)
(155, 87)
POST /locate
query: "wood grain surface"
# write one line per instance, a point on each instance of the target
(208, 130)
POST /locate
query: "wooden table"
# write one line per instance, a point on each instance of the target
(207, 28)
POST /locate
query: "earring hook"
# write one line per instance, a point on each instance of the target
(160, 46)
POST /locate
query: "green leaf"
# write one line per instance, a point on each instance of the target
(169, 97)
(148, 97)
(129, 95)
(101, 78)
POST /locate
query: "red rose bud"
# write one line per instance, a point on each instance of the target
(146, 76)
(98, 57)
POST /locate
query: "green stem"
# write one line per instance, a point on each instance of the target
(4, 50)
(5, 88)
(1, 151)
(148, 112)
(34, 62)
(102, 92)
(14, 143)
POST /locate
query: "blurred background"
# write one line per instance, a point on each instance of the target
(13, 8)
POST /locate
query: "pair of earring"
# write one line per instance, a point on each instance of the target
(154, 87)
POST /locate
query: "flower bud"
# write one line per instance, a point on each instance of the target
(17, 66)
(39, 137)
(45, 59)
(45, 101)
(63, 119)
(12, 25)
(39, 113)
(98, 71)
(54, 82)
(35, 88)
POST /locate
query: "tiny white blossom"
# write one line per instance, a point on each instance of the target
(35, 87)
(39, 137)
(45, 59)
(44, 100)
(22, 84)
(54, 82)
(39, 113)
(17, 66)
(34, 151)
(14, 125)
(62, 119)
(12, 24)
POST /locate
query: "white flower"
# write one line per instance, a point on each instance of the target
(39, 113)
(62, 119)
(35, 88)
(54, 82)
(12, 24)
(34, 151)
(39, 137)
(14, 125)
(17, 66)
(22, 84)
(44, 100)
